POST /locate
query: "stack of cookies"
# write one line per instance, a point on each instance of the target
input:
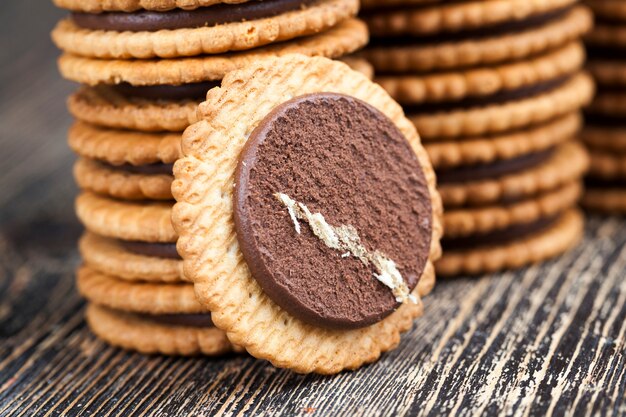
(144, 66)
(495, 90)
(605, 128)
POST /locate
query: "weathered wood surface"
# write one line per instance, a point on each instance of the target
(545, 340)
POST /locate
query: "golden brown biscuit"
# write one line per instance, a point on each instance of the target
(97, 6)
(110, 257)
(141, 221)
(604, 138)
(605, 200)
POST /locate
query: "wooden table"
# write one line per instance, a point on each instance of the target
(548, 339)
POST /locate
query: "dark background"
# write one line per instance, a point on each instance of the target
(541, 340)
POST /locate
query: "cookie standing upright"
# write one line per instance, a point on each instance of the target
(495, 90)
(144, 66)
(605, 130)
(307, 214)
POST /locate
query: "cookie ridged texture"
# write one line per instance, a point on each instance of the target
(608, 73)
(106, 108)
(468, 221)
(488, 149)
(110, 257)
(604, 138)
(381, 4)
(484, 81)
(610, 9)
(456, 16)
(607, 165)
(204, 217)
(95, 177)
(568, 163)
(126, 220)
(123, 146)
(238, 36)
(605, 200)
(489, 50)
(571, 96)
(133, 333)
(137, 297)
(560, 237)
(98, 6)
(342, 39)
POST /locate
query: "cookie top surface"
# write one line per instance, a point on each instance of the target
(337, 156)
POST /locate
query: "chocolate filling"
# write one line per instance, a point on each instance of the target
(498, 98)
(499, 29)
(187, 320)
(151, 169)
(605, 120)
(601, 183)
(493, 170)
(343, 159)
(218, 14)
(155, 249)
(607, 53)
(194, 91)
(499, 237)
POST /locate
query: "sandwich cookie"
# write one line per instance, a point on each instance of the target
(512, 179)
(479, 47)
(212, 29)
(149, 318)
(513, 247)
(162, 95)
(611, 10)
(291, 233)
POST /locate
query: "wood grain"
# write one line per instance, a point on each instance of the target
(549, 339)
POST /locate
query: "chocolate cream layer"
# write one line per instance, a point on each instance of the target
(151, 169)
(605, 120)
(605, 184)
(500, 29)
(500, 97)
(493, 170)
(185, 320)
(193, 91)
(153, 249)
(499, 237)
(151, 21)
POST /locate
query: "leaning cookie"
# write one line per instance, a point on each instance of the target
(296, 184)
(211, 30)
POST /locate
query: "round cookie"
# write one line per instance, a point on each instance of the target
(430, 56)
(557, 238)
(488, 149)
(131, 221)
(213, 258)
(111, 257)
(98, 6)
(484, 81)
(145, 335)
(608, 72)
(609, 103)
(607, 34)
(463, 222)
(137, 297)
(341, 40)
(118, 147)
(609, 200)
(566, 163)
(318, 16)
(120, 182)
(570, 96)
(456, 16)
